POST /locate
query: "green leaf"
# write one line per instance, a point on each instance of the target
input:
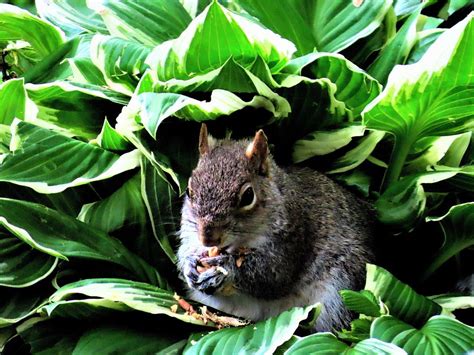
(458, 230)
(451, 303)
(147, 22)
(432, 97)
(260, 338)
(326, 26)
(327, 343)
(397, 50)
(159, 199)
(402, 301)
(357, 155)
(18, 304)
(452, 6)
(38, 38)
(205, 45)
(122, 338)
(110, 139)
(424, 41)
(21, 265)
(120, 61)
(360, 330)
(363, 302)
(72, 16)
(12, 101)
(64, 237)
(135, 295)
(404, 202)
(324, 142)
(440, 335)
(49, 162)
(75, 109)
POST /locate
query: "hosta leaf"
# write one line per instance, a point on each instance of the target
(40, 37)
(360, 330)
(458, 229)
(397, 50)
(363, 302)
(260, 338)
(72, 16)
(454, 5)
(327, 343)
(17, 304)
(451, 303)
(73, 108)
(49, 162)
(357, 155)
(122, 338)
(151, 109)
(91, 308)
(424, 41)
(110, 139)
(354, 87)
(436, 149)
(205, 45)
(326, 26)
(120, 61)
(401, 300)
(22, 266)
(404, 202)
(12, 101)
(65, 237)
(147, 22)
(159, 199)
(440, 335)
(432, 97)
(135, 295)
(324, 142)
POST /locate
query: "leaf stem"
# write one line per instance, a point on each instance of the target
(397, 161)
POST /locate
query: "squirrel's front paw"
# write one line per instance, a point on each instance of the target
(209, 275)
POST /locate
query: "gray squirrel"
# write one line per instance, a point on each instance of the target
(257, 239)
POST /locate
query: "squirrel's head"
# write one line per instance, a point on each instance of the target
(228, 191)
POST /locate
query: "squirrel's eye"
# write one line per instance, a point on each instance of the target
(247, 198)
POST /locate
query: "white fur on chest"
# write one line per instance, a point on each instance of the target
(248, 307)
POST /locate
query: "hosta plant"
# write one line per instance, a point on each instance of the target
(100, 107)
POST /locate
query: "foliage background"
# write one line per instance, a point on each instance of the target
(100, 106)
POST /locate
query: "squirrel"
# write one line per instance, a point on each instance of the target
(257, 239)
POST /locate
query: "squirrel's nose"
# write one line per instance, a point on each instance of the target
(210, 236)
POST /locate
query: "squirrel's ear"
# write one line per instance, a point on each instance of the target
(203, 141)
(258, 151)
(206, 142)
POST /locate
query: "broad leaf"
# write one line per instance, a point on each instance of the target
(458, 228)
(120, 61)
(432, 97)
(110, 139)
(72, 16)
(363, 302)
(123, 338)
(440, 335)
(38, 38)
(360, 330)
(18, 304)
(401, 300)
(397, 50)
(22, 266)
(424, 41)
(321, 25)
(135, 295)
(75, 109)
(327, 343)
(159, 199)
(451, 303)
(64, 237)
(205, 45)
(49, 162)
(12, 101)
(147, 22)
(404, 202)
(260, 338)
